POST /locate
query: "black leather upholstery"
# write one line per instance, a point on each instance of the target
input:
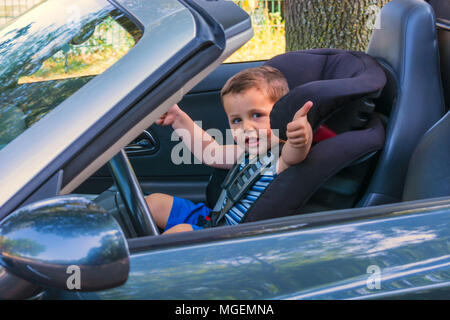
(429, 169)
(406, 45)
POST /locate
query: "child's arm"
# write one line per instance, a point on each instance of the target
(200, 143)
(300, 136)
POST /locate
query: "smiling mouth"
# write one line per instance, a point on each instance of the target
(252, 142)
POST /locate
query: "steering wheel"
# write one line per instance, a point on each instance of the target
(131, 193)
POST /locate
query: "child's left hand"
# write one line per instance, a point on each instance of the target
(299, 131)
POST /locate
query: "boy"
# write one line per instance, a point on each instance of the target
(248, 98)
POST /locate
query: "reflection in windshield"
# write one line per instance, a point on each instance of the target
(30, 40)
(94, 49)
(45, 58)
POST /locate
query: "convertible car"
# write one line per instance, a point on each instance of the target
(78, 153)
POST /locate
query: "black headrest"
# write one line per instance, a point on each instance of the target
(330, 78)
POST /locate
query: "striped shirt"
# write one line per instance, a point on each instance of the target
(237, 212)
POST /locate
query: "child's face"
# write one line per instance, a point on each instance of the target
(248, 115)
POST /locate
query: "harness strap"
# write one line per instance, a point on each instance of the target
(237, 183)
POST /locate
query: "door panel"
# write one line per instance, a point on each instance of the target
(392, 251)
(157, 172)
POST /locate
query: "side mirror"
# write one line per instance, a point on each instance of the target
(65, 242)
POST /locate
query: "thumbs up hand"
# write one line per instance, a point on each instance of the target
(299, 131)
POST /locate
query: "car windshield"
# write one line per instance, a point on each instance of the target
(51, 51)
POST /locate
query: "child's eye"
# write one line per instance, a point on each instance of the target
(236, 120)
(256, 115)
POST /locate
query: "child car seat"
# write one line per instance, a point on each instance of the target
(341, 84)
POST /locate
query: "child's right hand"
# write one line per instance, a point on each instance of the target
(168, 118)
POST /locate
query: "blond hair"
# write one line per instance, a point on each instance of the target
(268, 80)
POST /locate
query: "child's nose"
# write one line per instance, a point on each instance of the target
(247, 125)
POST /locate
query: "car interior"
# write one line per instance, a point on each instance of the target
(389, 122)
(412, 48)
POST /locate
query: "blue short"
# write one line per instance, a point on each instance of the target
(185, 211)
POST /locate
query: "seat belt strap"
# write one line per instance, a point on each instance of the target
(236, 184)
(220, 200)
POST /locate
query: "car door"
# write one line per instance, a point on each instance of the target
(397, 251)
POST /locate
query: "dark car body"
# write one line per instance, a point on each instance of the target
(398, 250)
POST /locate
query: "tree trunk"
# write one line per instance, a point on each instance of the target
(344, 24)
